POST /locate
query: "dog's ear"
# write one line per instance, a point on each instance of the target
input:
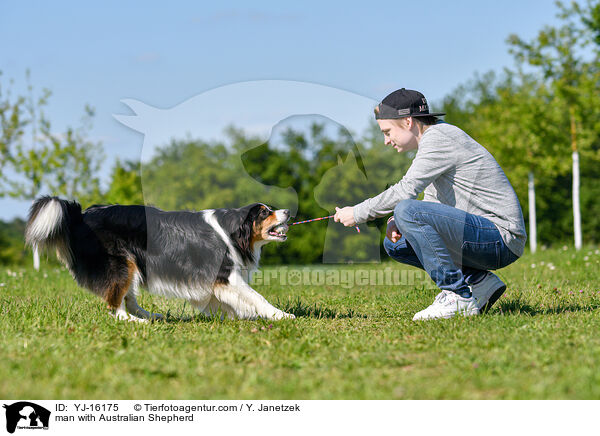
(232, 219)
(251, 211)
(242, 237)
(238, 223)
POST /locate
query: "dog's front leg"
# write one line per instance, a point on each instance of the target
(245, 302)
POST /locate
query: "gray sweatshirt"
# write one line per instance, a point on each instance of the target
(456, 170)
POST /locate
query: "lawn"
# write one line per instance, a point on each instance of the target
(351, 339)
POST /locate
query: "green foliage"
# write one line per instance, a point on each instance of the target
(125, 184)
(530, 118)
(35, 160)
(533, 117)
(307, 171)
(12, 249)
(591, 20)
(12, 125)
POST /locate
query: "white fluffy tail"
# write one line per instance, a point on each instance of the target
(46, 222)
(48, 226)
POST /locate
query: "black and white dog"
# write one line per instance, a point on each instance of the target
(205, 257)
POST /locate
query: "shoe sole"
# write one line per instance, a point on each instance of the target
(495, 296)
(472, 312)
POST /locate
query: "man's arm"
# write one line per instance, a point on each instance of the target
(435, 156)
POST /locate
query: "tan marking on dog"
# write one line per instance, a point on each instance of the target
(115, 294)
(260, 231)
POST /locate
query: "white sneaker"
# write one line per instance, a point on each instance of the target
(487, 291)
(448, 304)
(437, 299)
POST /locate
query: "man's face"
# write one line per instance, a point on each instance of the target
(399, 134)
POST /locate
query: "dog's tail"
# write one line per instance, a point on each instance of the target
(49, 226)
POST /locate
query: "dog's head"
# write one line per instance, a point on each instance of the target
(256, 224)
(268, 224)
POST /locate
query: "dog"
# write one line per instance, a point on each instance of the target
(205, 257)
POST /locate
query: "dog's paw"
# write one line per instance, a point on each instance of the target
(281, 315)
(285, 315)
(124, 316)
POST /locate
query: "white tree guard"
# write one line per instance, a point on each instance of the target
(532, 219)
(576, 208)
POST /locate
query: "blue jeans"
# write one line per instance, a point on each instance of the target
(454, 247)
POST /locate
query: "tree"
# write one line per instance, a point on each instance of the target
(125, 184)
(307, 170)
(12, 125)
(514, 117)
(64, 164)
(522, 116)
(558, 53)
(36, 160)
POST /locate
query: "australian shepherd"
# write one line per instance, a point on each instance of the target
(205, 257)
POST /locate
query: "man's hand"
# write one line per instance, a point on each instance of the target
(345, 216)
(392, 232)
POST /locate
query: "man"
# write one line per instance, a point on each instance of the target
(470, 220)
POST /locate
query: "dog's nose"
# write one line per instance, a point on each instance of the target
(286, 212)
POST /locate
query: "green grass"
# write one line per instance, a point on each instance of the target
(540, 341)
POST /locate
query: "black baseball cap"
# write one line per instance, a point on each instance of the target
(404, 103)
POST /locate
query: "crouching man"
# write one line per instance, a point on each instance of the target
(470, 221)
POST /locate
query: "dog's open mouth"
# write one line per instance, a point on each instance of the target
(279, 231)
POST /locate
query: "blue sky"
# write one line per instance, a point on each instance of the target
(165, 53)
